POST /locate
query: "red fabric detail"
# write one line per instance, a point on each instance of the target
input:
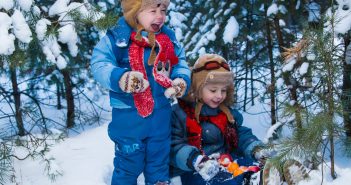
(231, 137)
(142, 43)
(220, 120)
(144, 102)
(166, 52)
(194, 130)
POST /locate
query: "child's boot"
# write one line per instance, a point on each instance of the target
(271, 175)
(294, 172)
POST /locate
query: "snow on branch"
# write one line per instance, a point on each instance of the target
(60, 26)
(231, 30)
(7, 46)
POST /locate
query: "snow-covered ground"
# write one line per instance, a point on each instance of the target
(83, 159)
(86, 159)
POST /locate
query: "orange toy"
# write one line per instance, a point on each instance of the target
(236, 170)
(232, 167)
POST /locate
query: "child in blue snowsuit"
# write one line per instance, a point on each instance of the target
(204, 125)
(142, 64)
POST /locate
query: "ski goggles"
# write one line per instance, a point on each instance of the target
(212, 65)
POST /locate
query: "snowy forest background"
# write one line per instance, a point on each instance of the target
(293, 58)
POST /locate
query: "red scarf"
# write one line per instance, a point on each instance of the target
(194, 129)
(144, 101)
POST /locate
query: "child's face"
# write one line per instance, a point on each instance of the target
(152, 18)
(214, 94)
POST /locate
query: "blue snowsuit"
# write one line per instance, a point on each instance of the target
(213, 141)
(141, 144)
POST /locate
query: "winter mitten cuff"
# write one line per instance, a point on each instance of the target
(198, 160)
(192, 157)
(133, 82)
(177, 90)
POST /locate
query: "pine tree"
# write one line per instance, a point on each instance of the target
(47, 46)
(317, 62)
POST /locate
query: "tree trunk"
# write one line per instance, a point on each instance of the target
(245, 87)
(292, 12)
(225, 52)
(252, 86)
(69, 98)
(287, 75)
(331, 113)
(332, 156)
(346, 89)
(248, 64)
(17, 99)
(331, 109)
(271, 88)
(58, 94)
(279, 34)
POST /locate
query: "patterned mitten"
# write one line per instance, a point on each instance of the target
(177, 90)
(206, 167)
(133, 82)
